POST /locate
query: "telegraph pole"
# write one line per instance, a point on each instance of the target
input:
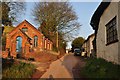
(57, 41)
(57, 38)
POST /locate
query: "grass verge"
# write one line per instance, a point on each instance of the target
(100, 68)
(14, 69)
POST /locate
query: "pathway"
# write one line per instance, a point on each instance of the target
(66, 67)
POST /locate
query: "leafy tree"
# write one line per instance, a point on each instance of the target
(6, 30)
(77, 43)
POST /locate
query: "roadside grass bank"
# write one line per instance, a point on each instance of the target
(15, 69)
(31, 68)
(100, 68)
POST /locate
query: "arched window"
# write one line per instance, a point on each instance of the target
(35, 41)
(19, 44)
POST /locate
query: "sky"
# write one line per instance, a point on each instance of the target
(84, 11)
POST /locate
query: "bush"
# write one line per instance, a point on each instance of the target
(99, 68)
(55, 49)
(18, 70)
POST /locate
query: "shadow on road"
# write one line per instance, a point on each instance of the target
(50, 77)
(74, 65)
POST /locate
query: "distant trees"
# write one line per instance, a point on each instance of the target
(77, 43)
(56, 17)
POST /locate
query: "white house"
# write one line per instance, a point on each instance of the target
(88, 45)
(106, 23)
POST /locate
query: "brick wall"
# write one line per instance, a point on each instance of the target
(28, 39)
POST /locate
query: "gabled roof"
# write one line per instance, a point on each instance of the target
(98, 13)
(28, 24)
(33, 27)
(89, 37)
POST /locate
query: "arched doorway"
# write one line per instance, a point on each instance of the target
(19, 44)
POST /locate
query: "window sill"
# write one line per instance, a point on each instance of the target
(112, 42)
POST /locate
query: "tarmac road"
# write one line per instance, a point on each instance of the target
(66, 67)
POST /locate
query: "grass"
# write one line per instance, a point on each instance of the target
(99, 68)
(13, 69)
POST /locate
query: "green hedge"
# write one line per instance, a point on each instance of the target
(99, 68)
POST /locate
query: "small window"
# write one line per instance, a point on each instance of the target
(25, 29)
(35, 41)
(111, 31)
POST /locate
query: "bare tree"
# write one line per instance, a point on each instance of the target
(57, 16)
(16, 10)
(11, 11)
(4, 13)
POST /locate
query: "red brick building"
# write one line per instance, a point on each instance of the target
(25, 39)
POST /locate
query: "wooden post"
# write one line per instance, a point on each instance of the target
(57, 40)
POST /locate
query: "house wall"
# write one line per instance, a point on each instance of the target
(109, 52)
(87, 47)
(91, 44)
(119, 32)
(84, 46)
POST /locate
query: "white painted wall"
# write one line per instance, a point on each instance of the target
(119, 33)
(109, 52)
(88, 46)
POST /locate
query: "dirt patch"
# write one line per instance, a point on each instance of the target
(44, 60)
(40, 70)
(44, 57)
